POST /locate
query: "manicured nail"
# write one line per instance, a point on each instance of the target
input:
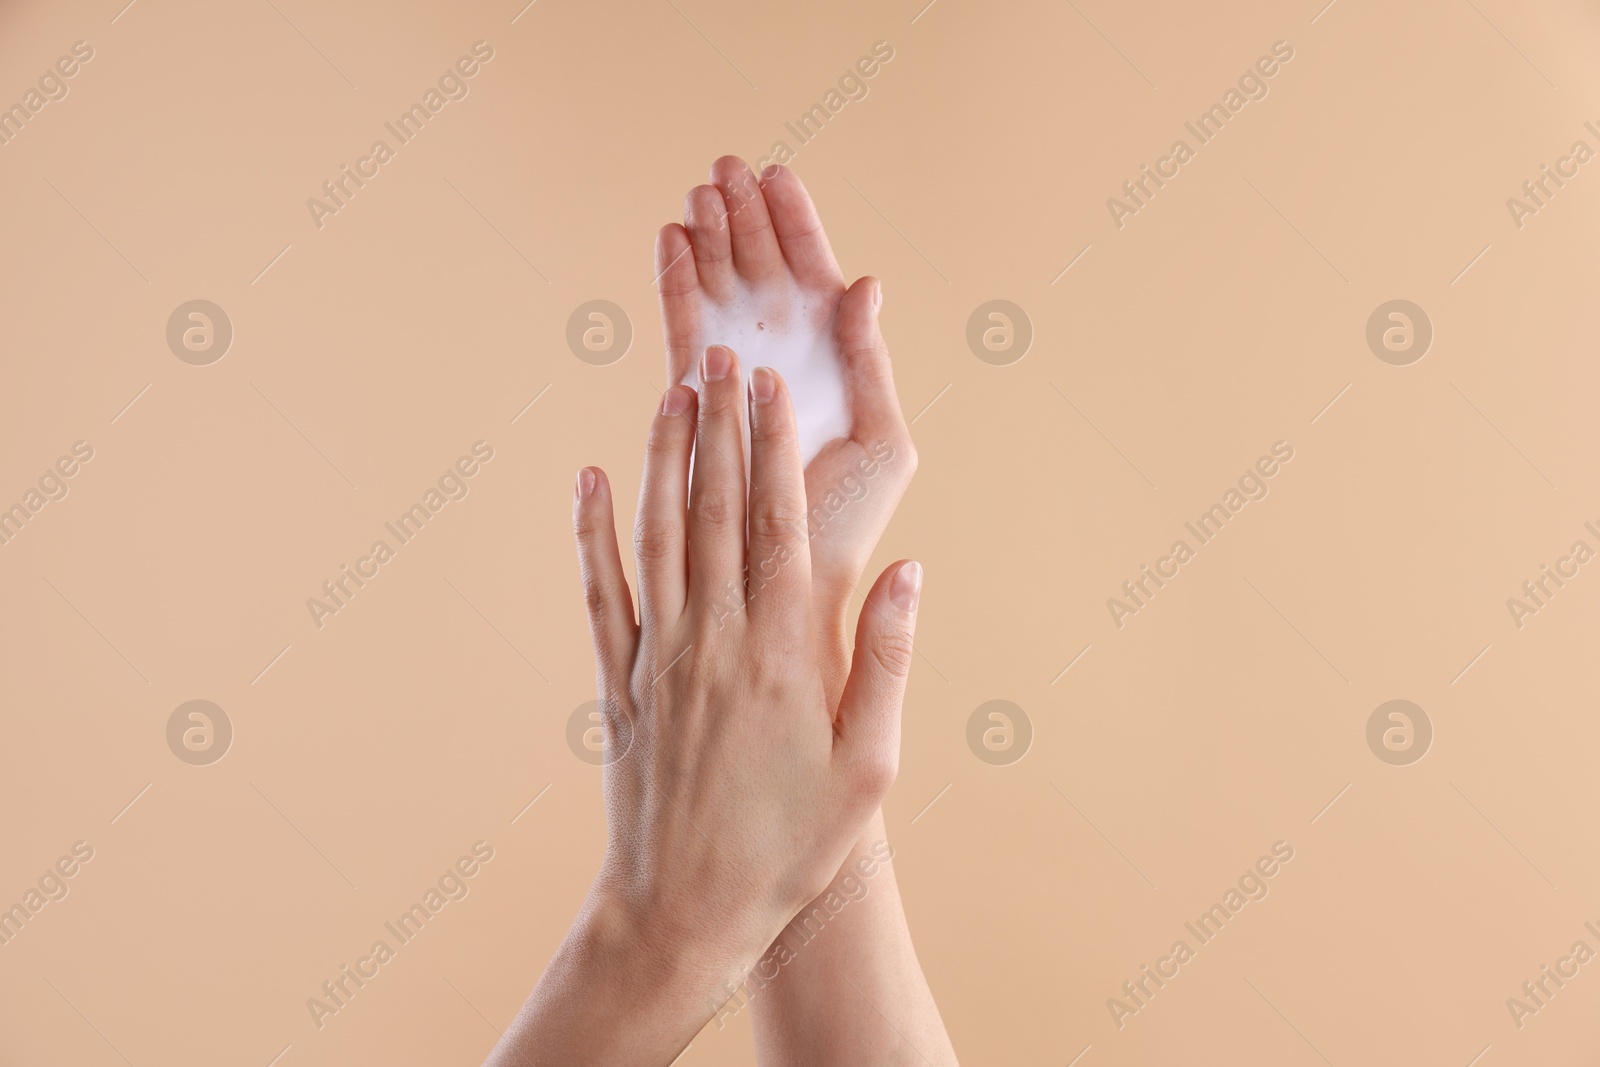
(715, 364)
(907, 586)
(763, 384)
(675, 401)
(586, 485)
(770, 173)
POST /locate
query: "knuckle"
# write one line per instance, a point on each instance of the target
(755, 222)
(803, 233)
(718, 510)
(775, 522)
(588, 530)
(909, 453)
(707, 249)
(892, 650)
(676, 282)
(664, 439)
(594, 598)
(901, 460)
(654, 541)
(717, 405)
(775, 431)
(679, 338)
(870, 359)
(877, 772)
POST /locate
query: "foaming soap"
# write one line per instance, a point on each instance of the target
(791, 331)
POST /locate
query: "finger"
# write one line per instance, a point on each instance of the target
(678, 282)
(705, 216)
(840, 549)
(800, 236)
(755, 246)
(875, 414)
(868, 725)
(605, 586)
(779, 584)
(717, 497)
(659, 538)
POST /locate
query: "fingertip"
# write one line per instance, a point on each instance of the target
(771, 405)
(866, 292)
(718, 362)
(783, 184)
(672, 235)
(764, 383)
(591, 510)
(587, 482)
(704, 205)
(734, 179)
(677, 400)
(905, 588)
(725, 167)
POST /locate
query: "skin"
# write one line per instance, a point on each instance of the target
(767, 233)
(736, 787)
(856, 994)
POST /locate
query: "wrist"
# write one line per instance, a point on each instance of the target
(670, 954)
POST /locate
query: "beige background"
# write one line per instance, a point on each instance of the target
(426, 315)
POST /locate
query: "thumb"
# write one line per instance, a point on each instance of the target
(874, 404)
(868, 724)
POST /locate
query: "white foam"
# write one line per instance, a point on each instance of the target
(791, 331)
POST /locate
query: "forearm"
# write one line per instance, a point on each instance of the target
(847, 987)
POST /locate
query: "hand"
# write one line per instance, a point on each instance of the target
(739, 789)
(747, 247)
(734, 789)
(745, 243)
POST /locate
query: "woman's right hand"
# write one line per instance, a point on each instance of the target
(733, 789)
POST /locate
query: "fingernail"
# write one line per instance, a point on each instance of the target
(586, 484)
(907, 586)
(763, 384)
(877, 295)
(675, 401)
(770, 173)
(715, 364)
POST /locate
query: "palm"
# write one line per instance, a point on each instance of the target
(751, 268)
